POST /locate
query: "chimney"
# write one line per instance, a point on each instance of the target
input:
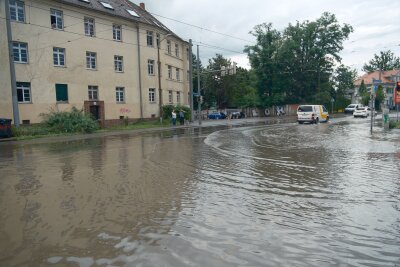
(142, 6)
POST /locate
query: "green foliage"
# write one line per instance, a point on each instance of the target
(74, 121)
(386, 60)
(394, 124)
(380, 97)
(296, 65)
(167, 111)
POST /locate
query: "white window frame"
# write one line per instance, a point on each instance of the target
(150, 66)
(93, 93)
(118, 63)
(178, 74)
(20, 47)
(152, 95)
(59, 20)
(89, 26)
(117, 32)
(17, 10)
(120, 94)
(91, 60)
(25, 91)
(178, 97)
(170, 97)
(59, 56)
(169, 72)
(150, 38)
(177, 50)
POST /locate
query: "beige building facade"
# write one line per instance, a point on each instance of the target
(100, 56)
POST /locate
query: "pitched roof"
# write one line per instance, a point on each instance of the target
(120, 9)
(374, 75)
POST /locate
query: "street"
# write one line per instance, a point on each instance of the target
(263, 194)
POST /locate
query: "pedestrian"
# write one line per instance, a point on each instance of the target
(173, 117)
(181, 117)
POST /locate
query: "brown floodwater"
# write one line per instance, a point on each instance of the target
(260, 195)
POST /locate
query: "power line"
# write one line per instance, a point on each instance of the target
(205, 29)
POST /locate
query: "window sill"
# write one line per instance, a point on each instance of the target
(153, 102)
(91, 69)
(119, 71)
(152, 74)
(123, 102)
(57, 29)
(120, 41)
(30, 102)
(62, 102)
(19, 62)
(60, 66)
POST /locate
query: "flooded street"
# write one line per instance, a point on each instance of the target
(261, 195)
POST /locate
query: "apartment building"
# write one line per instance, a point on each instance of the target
(99, 55)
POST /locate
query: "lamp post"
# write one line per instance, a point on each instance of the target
(160, 101)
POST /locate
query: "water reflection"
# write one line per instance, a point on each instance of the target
(265, 195)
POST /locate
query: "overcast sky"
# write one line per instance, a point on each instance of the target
(376, 23)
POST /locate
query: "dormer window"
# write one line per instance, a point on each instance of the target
(133, 13)
(107, 5)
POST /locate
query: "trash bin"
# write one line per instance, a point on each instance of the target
(5, 128)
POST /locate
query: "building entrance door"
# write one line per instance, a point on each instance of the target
(95, 112)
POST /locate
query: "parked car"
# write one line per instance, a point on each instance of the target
(237, 115)
(350, 108)
(217, 116)
(363, 112)
(312, 114)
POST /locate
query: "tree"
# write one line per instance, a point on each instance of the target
(386, 60)
(380, 97)
(364, 94)
(194, 82)
(263, 59)
(296, 65)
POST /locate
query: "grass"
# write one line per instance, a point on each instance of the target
(42, 130)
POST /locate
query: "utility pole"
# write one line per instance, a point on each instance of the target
(191, 79)
(198, 86)
(159, 82)
(12, 67)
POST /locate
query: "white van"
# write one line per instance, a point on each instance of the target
(312, 114)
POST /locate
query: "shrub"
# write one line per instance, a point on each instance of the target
(74, 121)
(394, 124)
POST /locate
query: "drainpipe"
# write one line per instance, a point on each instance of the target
(140, 72)
(12, 67)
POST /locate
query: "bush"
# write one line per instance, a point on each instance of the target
(394, 124)
(74, 121)
(167, 111)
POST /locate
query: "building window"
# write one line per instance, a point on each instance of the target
(24, 92)
(56, 19)
(178, 74)
(177, 50)
(150, 66)
(20, 52)
(149, 38)
(118, 63)
(61, 92)
(158, 39)
(17, 10)
(169, 72)
(117, 32)
(89, 26)
(120, 94)
(170, 96)
(152, 95)
(59, 56)
(93, 92)
(178, 97)
(91, 60)
(169, 47)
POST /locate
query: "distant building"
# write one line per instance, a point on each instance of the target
(100, 55)
(388, 78)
